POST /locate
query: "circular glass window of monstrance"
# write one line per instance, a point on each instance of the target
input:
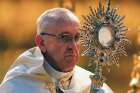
(105, 36)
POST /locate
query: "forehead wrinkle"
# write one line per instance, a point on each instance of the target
(52, 22)
(56, 17)
(47, 23)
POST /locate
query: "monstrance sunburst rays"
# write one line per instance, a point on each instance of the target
(103, 36)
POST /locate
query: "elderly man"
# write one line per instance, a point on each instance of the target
(51, 67)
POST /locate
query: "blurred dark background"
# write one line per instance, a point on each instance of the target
(18, 28)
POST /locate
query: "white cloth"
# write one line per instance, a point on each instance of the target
(27, 75)
(61, 79)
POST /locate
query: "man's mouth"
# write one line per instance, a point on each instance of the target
(71, 55)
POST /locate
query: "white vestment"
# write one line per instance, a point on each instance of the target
(27, 75)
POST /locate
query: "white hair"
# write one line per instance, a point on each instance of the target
(54, 15)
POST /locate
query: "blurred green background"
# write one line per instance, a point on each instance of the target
(18, 28)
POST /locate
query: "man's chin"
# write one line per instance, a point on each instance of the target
(69, 67)
(67, 70)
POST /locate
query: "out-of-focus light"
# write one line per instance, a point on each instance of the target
(139, 28)
(139, 58)
(138, 40)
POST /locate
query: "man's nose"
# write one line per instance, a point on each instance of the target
(73, 45)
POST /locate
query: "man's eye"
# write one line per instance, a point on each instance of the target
(63, 36)
(66, 38)
(77, 37)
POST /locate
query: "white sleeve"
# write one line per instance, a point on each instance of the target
(106, 89)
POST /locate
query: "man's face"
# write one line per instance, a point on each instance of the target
(64, 54)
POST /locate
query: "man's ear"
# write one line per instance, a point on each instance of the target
(38, 40)
(40, 43)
